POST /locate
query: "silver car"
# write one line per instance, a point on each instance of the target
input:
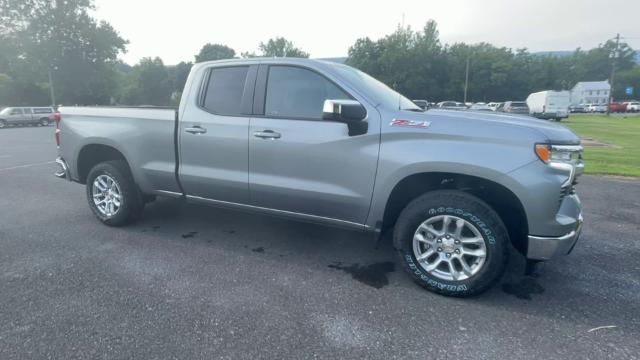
(22, 116)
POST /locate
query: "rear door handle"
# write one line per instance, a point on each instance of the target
(267, 134)
(196, 130)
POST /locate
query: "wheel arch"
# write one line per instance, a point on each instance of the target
(504, 201)
(92, 154)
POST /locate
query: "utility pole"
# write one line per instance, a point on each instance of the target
(466, 81)
(616, 53)
(53, 97)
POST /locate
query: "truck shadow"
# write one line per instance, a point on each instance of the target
(569, 289)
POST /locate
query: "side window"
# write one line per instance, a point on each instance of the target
(223, 95)
(298, 93)
(16, 112)
(27, 111)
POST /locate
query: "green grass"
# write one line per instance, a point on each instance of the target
(623, 134)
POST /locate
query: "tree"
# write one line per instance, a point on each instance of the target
(177, 78)
(147, 84)
(215, 52)
(409, 61)
(61, 36)
(420, 67)
(277, 47)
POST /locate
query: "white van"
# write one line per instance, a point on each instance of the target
(549, 104)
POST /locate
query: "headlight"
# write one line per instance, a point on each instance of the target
(562, 157)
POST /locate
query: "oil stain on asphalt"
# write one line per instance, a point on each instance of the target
(373, 274)
(258, 249)
(523, 289)
(190, 234)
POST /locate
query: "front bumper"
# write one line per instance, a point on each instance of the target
(546, 248)
(63, 171)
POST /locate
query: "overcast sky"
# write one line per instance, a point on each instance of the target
(176, 30)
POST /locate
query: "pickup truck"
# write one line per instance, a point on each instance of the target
(15, 116)
(324, 142)
(618, 107)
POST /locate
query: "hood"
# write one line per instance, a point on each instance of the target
(554, 132)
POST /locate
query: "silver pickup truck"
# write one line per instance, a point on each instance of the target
(324, 142)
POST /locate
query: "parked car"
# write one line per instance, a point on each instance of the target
(633, 106)
(21, 116)
(515, 107)
(580, 108)
(596, 108)
(324, 142)
(617, 107)
(480, 107)
(451, 105)
(422, 104)
(549, 104)
(494, 105)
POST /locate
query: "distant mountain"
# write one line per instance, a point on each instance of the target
(340, 60)
(563, 53)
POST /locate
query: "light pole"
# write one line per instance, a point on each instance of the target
(53, 96)
(466, 81)
(616, 53)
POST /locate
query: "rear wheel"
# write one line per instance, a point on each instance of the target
(452, 243)
(44, 122)
(113, 195)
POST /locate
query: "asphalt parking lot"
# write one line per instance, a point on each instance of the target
(191, 282)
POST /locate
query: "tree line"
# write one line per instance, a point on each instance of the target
(418, 65)
(59, 39)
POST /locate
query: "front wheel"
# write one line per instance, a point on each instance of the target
(3, 124)
(112, 193)
(452, 243)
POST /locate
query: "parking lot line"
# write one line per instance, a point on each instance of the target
(26, 165)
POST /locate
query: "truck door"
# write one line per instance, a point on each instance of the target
(300, 163)
(28, 116)
(16, 117)
(213, 135)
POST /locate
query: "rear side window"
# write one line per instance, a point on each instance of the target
(27, 111)
(42, 111)
(294, 92)
(223, 95)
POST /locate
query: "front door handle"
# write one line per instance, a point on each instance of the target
(267, 134)
(196, 130)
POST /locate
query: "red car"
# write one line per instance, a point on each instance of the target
(617, 107)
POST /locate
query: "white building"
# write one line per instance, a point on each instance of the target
(590, 92)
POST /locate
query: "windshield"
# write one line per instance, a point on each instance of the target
(375, 89)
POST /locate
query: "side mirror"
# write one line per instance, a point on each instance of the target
(347, 111)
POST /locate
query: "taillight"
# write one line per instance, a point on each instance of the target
(57, 118)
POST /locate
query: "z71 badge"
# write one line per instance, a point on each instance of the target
(410, 123)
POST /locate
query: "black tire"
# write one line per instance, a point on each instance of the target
(132, 203)
(469, 208)
(44, 122)
(3, 124)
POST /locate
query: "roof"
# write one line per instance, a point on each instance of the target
(593, 85)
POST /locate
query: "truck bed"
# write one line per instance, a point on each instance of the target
(145, 136)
